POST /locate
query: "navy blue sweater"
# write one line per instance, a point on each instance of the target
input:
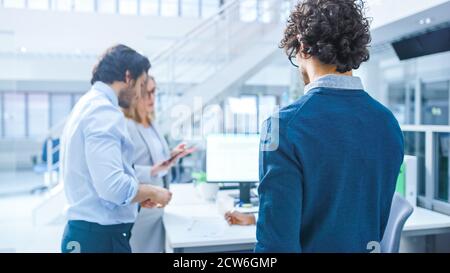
(328, 169)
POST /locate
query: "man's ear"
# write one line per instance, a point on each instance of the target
(303, 49)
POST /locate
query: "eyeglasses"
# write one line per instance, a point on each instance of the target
(147, 94)
(293, 57)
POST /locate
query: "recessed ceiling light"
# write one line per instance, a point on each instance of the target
(23, 49)
(425, 21)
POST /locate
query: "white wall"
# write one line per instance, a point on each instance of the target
(71, 32)
(42, 68)
(63, 46)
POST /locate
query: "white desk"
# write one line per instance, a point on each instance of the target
(194, 225)
(425, 222)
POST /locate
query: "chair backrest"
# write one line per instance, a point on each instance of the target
(400, 212)
(55, 149)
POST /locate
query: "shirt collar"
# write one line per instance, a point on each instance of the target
(336, 82)
(108, 91)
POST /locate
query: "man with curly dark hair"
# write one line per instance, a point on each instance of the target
(329, 184)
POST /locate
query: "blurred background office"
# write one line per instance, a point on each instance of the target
(221, 51)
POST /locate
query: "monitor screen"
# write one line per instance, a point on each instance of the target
(232, 158)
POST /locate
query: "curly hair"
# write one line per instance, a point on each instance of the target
(336, 32)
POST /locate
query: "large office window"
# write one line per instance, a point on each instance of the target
(129, 7)
(209, 7)
(14, 115)
(396, 101)
(443, 164)
(84, 5)
(435, 103)
(249, 10)
(169, 8)
(33, 114)
(241, 115)
(150, 7)
(1, 115)
(401, 101)
(190, 8)
(286, 8)
(38, 118)
(212, 120)
(107, 6)
(415, 146)
(265, 11)
(267, 106)
(251, 116)
(14, 4)
(65, 5)
(76, 97)
(245, 114)
(228, 118)
(60, 106)
(38, 4)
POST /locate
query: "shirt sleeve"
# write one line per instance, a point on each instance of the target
(280, 192)
(143, 174)
(104, 133)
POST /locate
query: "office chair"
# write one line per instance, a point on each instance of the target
(42, 167)
(401, 210)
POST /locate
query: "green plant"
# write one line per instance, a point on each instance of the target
(199, 177)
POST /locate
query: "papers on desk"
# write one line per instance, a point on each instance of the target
(224, 204)
(207, 227)
(190, 221)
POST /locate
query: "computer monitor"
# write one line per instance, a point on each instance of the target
(233, 159)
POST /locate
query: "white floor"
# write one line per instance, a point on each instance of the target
(18, 233)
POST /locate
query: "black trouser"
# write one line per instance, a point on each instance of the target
(87, 237)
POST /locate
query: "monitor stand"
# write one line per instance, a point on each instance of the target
(246, 200)
(244, 193)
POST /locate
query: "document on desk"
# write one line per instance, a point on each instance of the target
(207, 227)
(185, 232)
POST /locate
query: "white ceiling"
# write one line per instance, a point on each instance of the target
(385, 12)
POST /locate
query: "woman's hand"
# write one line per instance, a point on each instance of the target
(181, 151)
(161, 167)
(178, 152)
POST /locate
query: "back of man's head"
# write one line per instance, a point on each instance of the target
(336, 32)
(116, 61)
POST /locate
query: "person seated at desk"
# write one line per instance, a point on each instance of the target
(152, 162)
